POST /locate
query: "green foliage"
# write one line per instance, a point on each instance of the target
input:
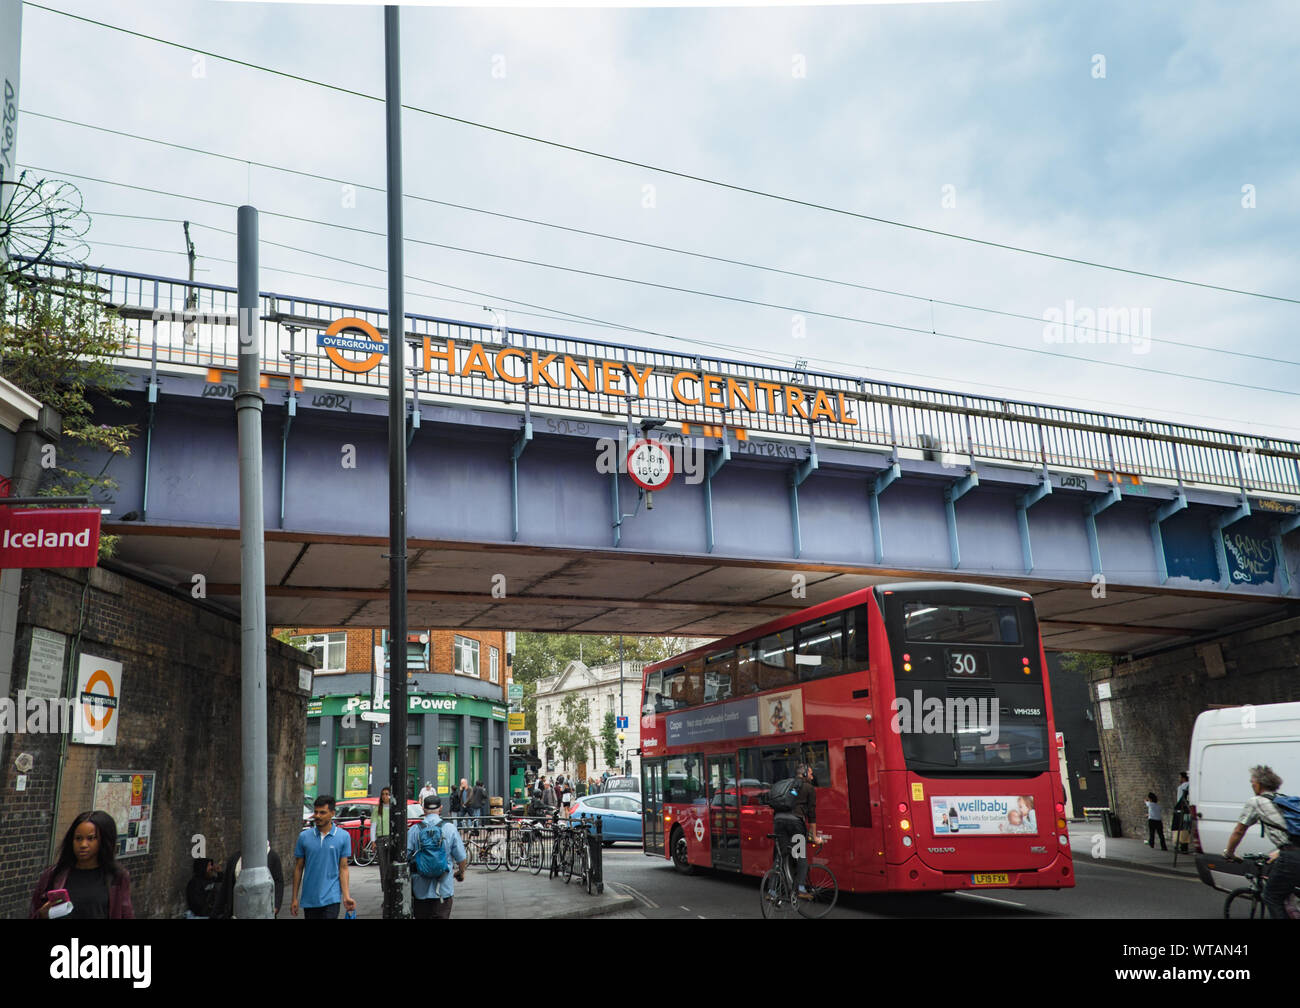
(1085, 663)
(609, 739)
(572, 737)
(57, 340)
(540, 655)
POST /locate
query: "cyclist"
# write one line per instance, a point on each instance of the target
(1285, 873)
(800, 821)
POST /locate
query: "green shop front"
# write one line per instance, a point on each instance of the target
(447, 737)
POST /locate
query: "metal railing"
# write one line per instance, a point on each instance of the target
(536, 844)
(174, 323)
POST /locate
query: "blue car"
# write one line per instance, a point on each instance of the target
(619, 814)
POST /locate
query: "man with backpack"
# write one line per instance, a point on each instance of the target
(433, 846)
(1279, 817)
(794, 808)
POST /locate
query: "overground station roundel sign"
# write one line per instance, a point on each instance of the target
(649, 465)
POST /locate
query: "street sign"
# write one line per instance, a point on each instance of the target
(378, 717)
(521, 738)
(376, 738)
(649, 465)
(49, 537)
(622, 724)
(517, 721)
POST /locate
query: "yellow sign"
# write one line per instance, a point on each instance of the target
(517, 721)
(918, 791)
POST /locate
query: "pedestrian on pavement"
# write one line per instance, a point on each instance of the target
(427, 790)
(86, 876)
(1155, 821)
(225, 907)
(203, 891)
(1181, 826)
(481, 804)
(320, 871)
(457, 807)
(466, 805)
(548, 794)
(435, 845)
(381, 828)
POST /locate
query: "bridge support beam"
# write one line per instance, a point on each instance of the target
(1023, 503)
(1090, 512)
(800, 473)
(521, 442)
(951, 495)
(290, 411)
(1242, 510)
(878, 486)
(1165, 510)
(1279, 551)
(719, 459)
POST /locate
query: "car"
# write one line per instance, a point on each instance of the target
(629, 785)
(619, 814)
(354, 815)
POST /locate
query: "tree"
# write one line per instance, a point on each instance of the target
(1085, 663)
(609, 739)
(540, 655)
(57, 341)
(572, 737)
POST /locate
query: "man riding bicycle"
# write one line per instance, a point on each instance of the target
(1284, 875)
(800, 821)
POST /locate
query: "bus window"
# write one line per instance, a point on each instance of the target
(820, 648)
(924, 623)
(719, 673)
(776, 660)
(652, 701)
(673, 696)
(817, 756)
(682, 782)
(694, 683)
(746, 670)
(856, 648)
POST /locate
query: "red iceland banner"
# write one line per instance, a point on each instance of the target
(49, 537)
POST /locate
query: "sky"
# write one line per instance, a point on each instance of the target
(1159, 138)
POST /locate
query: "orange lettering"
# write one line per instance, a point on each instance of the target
(734, 393)
(448, 355)
(844, 412)
(501, 367)
(769, 388)
(822, 407)
(540, 364)
(571, 371)
(641, 378)
(794, 401)
(713, 392)
(611, 374)
(678, 394)
(477, 362)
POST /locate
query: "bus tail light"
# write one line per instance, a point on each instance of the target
(902, 808)
(905, 825)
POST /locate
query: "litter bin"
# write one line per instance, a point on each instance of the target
(1110, 825)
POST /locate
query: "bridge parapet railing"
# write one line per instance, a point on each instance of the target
(173, 322)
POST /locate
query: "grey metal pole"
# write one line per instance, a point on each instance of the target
(397, 900)
(253, 890)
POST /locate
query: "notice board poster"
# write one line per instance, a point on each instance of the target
(127, 795)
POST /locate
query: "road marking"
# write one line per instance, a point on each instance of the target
(651, 904)
(990, 899)
(686, 908)
(1102, 863)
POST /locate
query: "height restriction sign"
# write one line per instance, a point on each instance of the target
(649, 465)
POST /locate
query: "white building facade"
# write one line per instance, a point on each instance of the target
(606, 694)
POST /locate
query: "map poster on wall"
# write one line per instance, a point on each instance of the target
(127, 796)
(45, 664)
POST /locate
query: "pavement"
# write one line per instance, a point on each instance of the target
(501, 894)
(1088, 841)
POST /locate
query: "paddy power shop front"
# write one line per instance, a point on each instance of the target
(447, 737)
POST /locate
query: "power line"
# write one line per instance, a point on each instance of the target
(572, 318)
(807, 204)
(650, 245)
(717, 296)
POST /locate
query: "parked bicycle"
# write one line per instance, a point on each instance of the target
(487, 850)
(1247, 902)
(777, 890)
(571, 856)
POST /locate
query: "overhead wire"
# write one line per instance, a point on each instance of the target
(645, 166)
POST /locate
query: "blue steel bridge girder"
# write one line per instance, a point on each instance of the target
(1023, 503)
(797, 476)
(1158, 516)
(1229, 517)
(878, 486)
(711, 469)
(951, 495)
(1090, 511)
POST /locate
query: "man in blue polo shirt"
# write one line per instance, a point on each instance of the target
(431, 898)
(320, 871)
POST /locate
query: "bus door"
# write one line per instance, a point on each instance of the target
(724, 812)
(652, 806)
(862, 768)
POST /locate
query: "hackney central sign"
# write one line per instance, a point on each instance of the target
(515, 366)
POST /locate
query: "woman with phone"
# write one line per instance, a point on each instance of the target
(86, 876)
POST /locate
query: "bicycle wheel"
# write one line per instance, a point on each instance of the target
(534, 854)
(366, 855)
(514, 852)
(493, 856)
(1243, 904)
(825, 891)
(774, 895)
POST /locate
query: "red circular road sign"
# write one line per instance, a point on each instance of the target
(649, 465)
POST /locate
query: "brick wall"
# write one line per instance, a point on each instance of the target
(179, 718)
(1155, 701)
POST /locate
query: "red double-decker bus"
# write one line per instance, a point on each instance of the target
(922, 708)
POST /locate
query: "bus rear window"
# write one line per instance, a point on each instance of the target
(929, 623)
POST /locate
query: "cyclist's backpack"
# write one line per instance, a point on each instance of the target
(783, 795)
(431, 852)
(1289, 808)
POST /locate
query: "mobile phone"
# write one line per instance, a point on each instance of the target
(56, 896)
(60, 903)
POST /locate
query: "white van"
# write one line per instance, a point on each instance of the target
(1226, 743)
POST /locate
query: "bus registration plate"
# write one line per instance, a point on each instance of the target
(990, 878)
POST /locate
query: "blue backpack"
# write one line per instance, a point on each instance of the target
(431, 852)
(1289, 808)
